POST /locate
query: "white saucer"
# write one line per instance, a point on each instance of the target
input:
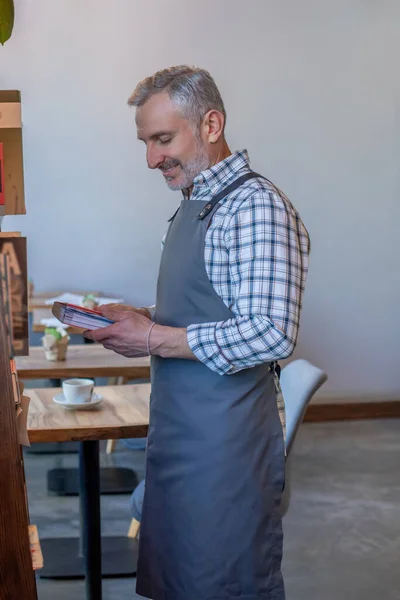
(95, 401)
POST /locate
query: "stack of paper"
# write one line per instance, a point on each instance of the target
(76, 299)
(78, 316)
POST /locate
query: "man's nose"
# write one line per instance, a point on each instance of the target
(154, 157)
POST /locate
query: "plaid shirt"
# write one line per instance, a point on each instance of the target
(256, 257)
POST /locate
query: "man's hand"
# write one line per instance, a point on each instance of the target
(110, 309)
(128, 335)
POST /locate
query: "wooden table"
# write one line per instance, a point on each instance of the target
(124, 413)
(83, 360)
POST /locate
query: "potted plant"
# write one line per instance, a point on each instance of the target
(89, 301)
(55, 343)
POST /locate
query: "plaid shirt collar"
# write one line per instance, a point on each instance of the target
(220, 175)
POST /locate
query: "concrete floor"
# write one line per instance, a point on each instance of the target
(342, 531)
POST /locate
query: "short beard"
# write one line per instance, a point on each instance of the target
(192, 168)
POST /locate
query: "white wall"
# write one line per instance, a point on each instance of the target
(311, 89)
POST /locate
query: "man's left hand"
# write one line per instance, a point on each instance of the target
(127, 336)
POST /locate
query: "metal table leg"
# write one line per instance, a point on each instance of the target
(91, 524)
(75, 558)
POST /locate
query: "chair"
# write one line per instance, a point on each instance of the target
(136, 509)
(299, 382)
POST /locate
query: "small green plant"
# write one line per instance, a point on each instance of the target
(89, 297)
(89, 301)
(6, 20)
(53, 331)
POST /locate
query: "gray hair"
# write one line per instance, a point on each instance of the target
(192, 89)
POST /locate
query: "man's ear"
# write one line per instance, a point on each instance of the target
(213, 126)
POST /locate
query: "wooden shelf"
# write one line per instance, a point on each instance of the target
(17, 579)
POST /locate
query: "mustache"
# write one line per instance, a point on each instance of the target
(169, 164)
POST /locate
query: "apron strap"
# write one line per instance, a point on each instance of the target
(223, 193)
(174, 215)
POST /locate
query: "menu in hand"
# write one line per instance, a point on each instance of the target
(78, 316)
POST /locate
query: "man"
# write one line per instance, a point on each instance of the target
(229, 294)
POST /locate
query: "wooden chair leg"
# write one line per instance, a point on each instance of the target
(134, 529)
(111, 444)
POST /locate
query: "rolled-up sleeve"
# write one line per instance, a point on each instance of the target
(268, 249)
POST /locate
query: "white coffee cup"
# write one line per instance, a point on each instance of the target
(78, 391)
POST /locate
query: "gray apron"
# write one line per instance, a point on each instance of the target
(211, 526)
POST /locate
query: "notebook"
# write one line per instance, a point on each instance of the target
(78, 316)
